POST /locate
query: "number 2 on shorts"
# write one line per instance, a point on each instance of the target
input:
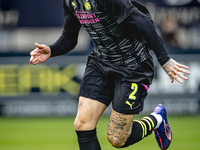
(134, 87)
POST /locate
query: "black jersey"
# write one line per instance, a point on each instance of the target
(112, 42)
(122, 31)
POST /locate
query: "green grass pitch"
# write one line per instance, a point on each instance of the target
(59, 134)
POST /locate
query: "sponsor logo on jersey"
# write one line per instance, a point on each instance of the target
(86, 18)
(74, 4)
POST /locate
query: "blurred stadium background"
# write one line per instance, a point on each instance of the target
(38, 103)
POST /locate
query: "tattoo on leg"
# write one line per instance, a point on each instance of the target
(80, 104)
(119, 128)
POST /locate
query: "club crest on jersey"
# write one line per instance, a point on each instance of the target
(87, 5)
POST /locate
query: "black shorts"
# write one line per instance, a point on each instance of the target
(126, 87)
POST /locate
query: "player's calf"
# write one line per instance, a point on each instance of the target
(141, 129)
(119, 128)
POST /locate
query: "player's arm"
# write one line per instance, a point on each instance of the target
(144, 25)
(147, 29)
(68, 40)
(65, 43)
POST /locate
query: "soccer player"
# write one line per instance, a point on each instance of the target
(119, 70)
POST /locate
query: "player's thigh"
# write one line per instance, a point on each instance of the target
(119, 129)
(89, 112)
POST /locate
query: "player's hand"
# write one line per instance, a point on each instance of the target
(174, 69)
(40, 54)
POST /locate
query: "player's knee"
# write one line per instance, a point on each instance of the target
(81, 124)
(78, 124)
(115, 142)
